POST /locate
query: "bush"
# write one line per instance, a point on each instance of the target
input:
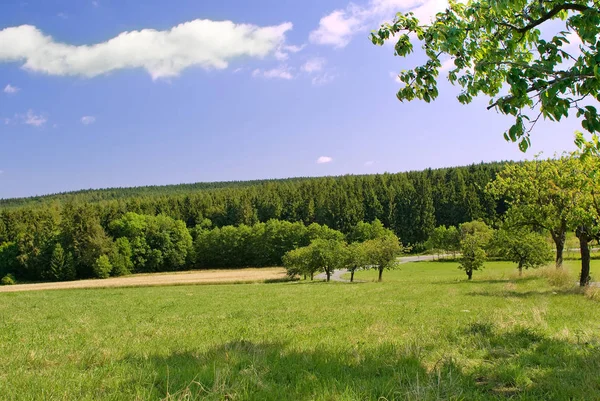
(9, 279)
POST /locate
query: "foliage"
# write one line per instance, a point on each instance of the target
(473, 255)
(325, 255)
(120, 258)
(382, 253)
(8, 279)
(527, 249)
(444, 239)
(540, 197)
(266, 219)
(499, 44)
(57, 263)
(356, 258)
(102, 267)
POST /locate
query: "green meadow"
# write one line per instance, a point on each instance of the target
(424, 333)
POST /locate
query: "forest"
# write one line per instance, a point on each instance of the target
(118, 231)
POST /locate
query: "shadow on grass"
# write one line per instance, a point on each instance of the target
(524, 364)
(518, 364)
(524, 294)
(489, 281)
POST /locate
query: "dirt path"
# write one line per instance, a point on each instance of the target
(337, 274)
(143, 280)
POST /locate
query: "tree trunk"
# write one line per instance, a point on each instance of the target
(304, 276)
(584, 242)
(520, 267)
(311, 276)
(470, 274)
(328, 274)
(380, 273)
(559, 239)
(352, 276)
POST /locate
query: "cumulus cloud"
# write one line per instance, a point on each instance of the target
(337, 28)
(87, 120)
(11, 90)
(324, 159)
(281, 72)
(313, 65)
(203, 43)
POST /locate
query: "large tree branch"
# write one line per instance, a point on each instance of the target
(549, 15)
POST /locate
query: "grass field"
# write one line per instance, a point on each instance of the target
(423, 334)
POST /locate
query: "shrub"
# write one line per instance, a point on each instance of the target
(9, 279)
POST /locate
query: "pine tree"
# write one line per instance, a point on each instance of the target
(57, 263)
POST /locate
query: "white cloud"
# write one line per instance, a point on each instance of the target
(11, 90)
(281, 72)
(369, 163)
(337, 28)
(33, 119)
(324, 159)
(87, 120)
(395, 77)
(62, 15)
(313, 65)
(323, 79)
(282, 53)
(203, 43)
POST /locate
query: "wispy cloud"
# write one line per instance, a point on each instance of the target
(11, 90)
(281, 72)
(62, 15)
(324, 159)
(95, 3)
(369, 163)
(204, 43)
(87, 120)
(323, 79)
(338, 27)
(314, 65)
(36, 120)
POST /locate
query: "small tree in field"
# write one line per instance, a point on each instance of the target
(298, 262)
(473, 255)
(382, 253)
(526, 249)
(356, 257)
(330, 255)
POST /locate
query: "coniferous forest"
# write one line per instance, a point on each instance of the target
(98, 233)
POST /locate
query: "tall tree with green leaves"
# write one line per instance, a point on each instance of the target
(495, 45)
(540, 196)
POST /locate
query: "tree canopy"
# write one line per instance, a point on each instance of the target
(532, 58)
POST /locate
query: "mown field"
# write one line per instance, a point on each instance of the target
(425, 333)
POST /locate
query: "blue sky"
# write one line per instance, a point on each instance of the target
(269, 94)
